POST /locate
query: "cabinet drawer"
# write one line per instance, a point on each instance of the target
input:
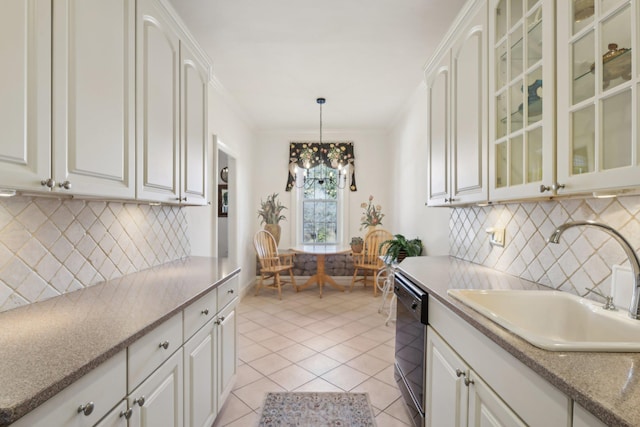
(199, 313)
(101, 389)
(227, 292)
(146, 354)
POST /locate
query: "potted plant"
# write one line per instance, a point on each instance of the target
(357, 244)
(270, 214)
(400, 247)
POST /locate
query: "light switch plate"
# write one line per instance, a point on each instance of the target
(496, 236)
(621, 286)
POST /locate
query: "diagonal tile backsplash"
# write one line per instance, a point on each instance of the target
(49, 246)
(583, 258)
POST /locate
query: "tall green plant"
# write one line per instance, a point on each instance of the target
(400, 247)
(270, 211)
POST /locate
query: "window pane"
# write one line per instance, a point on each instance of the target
(320, 206)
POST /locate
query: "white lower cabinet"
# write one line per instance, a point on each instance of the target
(158, 401)
(584, 418)
(200, 377)
(472, 381)
(115, 418)
(227, 351)
(86, 401)
(456, 395)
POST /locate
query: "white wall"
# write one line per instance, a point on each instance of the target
(372, 151)
(226, 122)
(410, 215)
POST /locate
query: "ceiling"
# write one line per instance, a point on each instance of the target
(274, 58)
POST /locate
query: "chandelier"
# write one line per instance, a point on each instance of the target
(308, 181)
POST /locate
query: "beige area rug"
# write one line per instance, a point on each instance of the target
(294, 409)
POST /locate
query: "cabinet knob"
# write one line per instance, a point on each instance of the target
(87, 408)
(181, 199)
(205, 311)
(544, 188)
(65, 185)
(468, 381)
(48, 183)
(230, 291)
(554, 187)
(139, 401)
(126, 414)
(459, 373)
(220, 320)
(164, 344)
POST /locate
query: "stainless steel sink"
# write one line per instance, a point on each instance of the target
(556, 321)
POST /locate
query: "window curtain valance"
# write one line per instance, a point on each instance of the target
(331, 154)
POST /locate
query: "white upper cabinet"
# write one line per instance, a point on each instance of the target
(457, 115)
(522, 98)
(438, 133)
(172, 110)
(25, 93)
(193, 93)
(93, 97)
(598, 144)
(158, 105)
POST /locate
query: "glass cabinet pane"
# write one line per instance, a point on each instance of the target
(516, 12)
(583, 141)
(616, 131)
(531, 4)
(501, 165)
(583, 64)
(501, 65)
(582, 14)
(534, 155)
(517, 106)
(502, 115)
(616, 49)
(516, 161)
(534, 37)
(517, 54)
(534, 96)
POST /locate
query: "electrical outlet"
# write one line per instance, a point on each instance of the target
(496, 236)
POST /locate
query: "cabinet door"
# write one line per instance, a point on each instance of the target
(446, 393)
(25, 94)
(487, 409)
(193, 92)
(522, 98)
(598, 144)
(159, 399)
(438, 134)
(115, 418)
(227, 352)
(469, 111)
(200, 378)
(93, 97)
(157, 103)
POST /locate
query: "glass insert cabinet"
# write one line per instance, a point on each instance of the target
(598, 97)
(522, 103)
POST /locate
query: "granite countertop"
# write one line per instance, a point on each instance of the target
(46, 346)
(606, 384)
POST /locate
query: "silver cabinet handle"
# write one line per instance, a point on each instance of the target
(459, 373)
(126, 414)
(205, 312)
(139, 401)
(230, 291)
(554, 187)
(220, 320)
(164, 344)
(468, 381)
(181, 199)
(48, 183)
(66, 185)
(87, 408)
(544, 188)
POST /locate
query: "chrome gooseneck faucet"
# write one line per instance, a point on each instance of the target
(634, 308)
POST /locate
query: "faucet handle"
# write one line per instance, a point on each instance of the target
(608, 305)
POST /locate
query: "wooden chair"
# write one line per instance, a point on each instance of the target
(272, 264)
(369, 261)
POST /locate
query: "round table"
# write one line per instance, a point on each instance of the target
(320, 251)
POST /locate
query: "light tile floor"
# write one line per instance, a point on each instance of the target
(305, 343)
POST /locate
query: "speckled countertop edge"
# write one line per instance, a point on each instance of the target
(605, 384)
(126, 308)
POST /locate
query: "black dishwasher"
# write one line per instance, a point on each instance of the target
(411, 333)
